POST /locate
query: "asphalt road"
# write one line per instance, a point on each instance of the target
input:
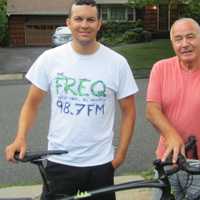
(141, 150)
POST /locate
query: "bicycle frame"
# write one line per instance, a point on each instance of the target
(161, 183)
(158, 184)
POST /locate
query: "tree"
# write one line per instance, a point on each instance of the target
(191, 7)
(142, 3)
(3, 21)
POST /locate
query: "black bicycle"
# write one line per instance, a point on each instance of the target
(162, 182)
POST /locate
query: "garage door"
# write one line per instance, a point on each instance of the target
(38, 31)
(38, 35)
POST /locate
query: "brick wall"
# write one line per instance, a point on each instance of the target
(150, 19)
(16, 30)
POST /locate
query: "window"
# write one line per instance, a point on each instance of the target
(104, 13)
(131, 14)
(117, 13)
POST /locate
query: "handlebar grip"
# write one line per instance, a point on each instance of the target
(16, 157)
(33, 156)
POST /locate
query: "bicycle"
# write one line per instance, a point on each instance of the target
(162, 182)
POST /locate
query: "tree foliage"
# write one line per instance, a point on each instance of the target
(190, 8)
(3, 20)
(140, 3)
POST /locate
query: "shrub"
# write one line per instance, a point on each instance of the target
(138, 30)
(112, 40)
(131, 37)
(110, 28)
(146, 36)
(115, 33)
(160, 35)
(3, 23)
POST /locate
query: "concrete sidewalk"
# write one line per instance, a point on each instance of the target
(35, 190)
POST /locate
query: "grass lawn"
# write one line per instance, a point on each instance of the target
(144, 55)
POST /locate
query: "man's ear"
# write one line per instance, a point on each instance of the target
(67, 22)
(100, 24)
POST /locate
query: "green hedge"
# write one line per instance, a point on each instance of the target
(4, 39)
(115, 33)
(110, 28)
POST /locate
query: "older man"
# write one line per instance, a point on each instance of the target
(173, 98)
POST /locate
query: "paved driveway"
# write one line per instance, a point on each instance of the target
(15, 60)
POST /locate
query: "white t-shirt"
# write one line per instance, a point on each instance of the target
(83, 90)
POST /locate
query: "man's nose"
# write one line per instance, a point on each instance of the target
(185, 41)
(84, 23)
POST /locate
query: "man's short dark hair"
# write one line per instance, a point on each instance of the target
(85, 2)
(91, 3)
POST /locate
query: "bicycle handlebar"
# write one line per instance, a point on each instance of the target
(37, 155)
(182, 163)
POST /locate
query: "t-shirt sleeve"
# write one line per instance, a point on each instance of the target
(127, 83)
(37, 74)
(154, 85)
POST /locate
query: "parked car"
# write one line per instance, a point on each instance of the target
(61, 36)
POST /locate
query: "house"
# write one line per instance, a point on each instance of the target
(31, 23)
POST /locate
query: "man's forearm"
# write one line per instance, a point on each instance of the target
(158, 119)
(126, 132)
(26, 120)
(128, 115)
(173, 140)
(29, 111)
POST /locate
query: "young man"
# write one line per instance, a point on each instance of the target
(84, 79)
(173, 99)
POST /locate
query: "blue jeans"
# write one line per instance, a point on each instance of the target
(183, 185)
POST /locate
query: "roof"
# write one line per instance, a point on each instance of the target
(112, 1)
(46, 7)
(38, 7)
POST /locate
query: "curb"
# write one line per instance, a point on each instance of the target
(21, 76)
(142, 73)
(9, 77)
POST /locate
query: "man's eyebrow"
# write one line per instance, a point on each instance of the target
(81, 17)
(177, 36)
(187, 34)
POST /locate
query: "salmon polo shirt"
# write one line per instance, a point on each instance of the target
(178, 92)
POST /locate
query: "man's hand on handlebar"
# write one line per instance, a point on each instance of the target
(19, 145)
(175, 145)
